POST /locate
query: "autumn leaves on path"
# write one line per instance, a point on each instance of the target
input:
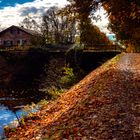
(105, 105)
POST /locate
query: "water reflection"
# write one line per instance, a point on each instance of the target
(12, 102)
(10, 109)
(8, 116)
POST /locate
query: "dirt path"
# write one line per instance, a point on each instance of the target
(105, 105)
(130, 62)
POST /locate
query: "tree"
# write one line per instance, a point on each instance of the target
(83, 10)
(31, 25)
(124, 16)
(58, 27)
(90, 34)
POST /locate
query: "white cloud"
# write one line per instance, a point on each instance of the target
(103, 23)
(14, 15)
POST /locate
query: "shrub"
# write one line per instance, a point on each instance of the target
(69, 78)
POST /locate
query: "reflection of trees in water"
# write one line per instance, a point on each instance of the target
(15, 99)
(14, 104)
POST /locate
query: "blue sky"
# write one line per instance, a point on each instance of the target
(4, 3)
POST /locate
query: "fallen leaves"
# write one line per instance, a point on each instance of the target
(104, 105)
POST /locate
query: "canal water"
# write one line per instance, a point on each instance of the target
(12, 108)
(7, 117)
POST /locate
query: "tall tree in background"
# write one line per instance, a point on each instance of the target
(58, 27)
(124, 16)
(29, 23)
(83, 10)
(94, 37)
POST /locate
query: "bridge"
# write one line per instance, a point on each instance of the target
(62, 49)
(103, 48)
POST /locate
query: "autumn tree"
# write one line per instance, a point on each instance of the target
(58, 27)
(124, 16)
(90, 35)
(93, 37)
(30, 23)
(83, 10)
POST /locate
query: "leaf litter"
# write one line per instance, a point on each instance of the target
(105, 105)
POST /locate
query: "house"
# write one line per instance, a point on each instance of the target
(15, 36)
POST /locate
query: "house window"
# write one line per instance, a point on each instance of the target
(8, 43)
(21, 42)
(24, 42)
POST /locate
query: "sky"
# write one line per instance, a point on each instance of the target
(4, 3)
(12, 12)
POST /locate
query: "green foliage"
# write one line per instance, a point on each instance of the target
(69, 78)
(64, 78)
(53, 72)
(55, 92)
(113, 61)
(29, 109)
(22, 122)
(43, 102)
(59, 77)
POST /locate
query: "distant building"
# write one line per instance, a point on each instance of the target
(15, 36)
